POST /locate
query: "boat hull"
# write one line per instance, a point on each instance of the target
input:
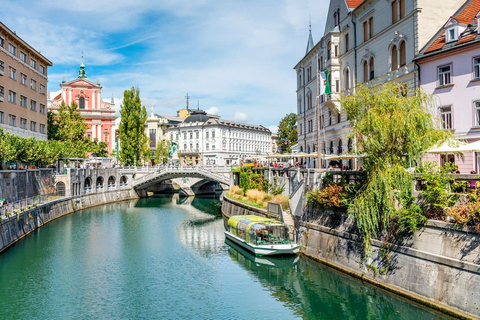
(264, 250)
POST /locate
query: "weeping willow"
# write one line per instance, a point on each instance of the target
(392, 131)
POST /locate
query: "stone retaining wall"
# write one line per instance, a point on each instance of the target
(17, 227)
(235, 208)
(438, 267)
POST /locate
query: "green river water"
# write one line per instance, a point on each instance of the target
(158, 258)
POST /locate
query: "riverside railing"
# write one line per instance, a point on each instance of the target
(12, 208)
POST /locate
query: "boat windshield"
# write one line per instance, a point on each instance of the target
(273, 234)
(259, 230)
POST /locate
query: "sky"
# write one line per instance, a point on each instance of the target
(234, 58)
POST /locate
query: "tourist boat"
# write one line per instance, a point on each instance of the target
(261, 236)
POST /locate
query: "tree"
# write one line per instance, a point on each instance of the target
(161, 153)
(67, 125)
(287, 132)
(133, 140)
(392, 132)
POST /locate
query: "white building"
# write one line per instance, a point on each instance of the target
(364, 42)
(209, 140)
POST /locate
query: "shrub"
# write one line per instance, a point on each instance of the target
(236, 190)
(467, 214)
(256, 195)
(281, 200)
(332, 196)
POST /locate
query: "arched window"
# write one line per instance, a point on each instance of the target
(349, 145)
(340, 147)
(331, 147)
(329, 117)
(320, 63)
(394, 58)
(403, 54)
(81, 103)
(347, 80)
(339, 117)
(309, 100)
(365, 71)
(372, 69)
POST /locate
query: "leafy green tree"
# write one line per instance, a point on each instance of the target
(67, 125)
(161, 152)
(6, 149)
(287, 132)
(133, 140)
(393, 131)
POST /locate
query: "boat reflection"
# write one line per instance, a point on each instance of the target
(240, 254)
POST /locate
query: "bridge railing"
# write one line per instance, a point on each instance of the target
(212, 171)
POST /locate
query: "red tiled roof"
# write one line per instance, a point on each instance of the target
(437, 44)
(465, 16)
(354, 3)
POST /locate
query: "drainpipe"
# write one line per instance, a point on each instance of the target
(304, 113)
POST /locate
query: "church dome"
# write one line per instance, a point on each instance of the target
(197, 116)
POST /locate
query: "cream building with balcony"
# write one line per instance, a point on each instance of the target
(367, 42)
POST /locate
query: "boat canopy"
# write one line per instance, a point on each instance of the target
(258, 230)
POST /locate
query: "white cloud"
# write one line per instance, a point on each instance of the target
(213, 110)
(274, 129)
(240, 116)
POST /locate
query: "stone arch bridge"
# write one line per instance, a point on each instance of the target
(190, 179)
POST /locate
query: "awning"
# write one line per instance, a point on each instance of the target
(449, 147)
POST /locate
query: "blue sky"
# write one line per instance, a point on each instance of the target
(235, 57)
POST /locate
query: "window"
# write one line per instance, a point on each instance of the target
(33, 84)
(446, 117)
(185, 137)
(402, 9)
(206, 146)
(12, 49)
(331, 147)
(42, 89)
(299, 80)
(184, 146)
(2, 117)
(394, 58)
(476, 68)
(394, 11)
(309, 73)
(23, 79)
(403, 54)
(42, 70)
(336, 51)
(340, 146)
(213, 134)
(320, 63)
(347, 80)
(365, 71)
(81, 103)
(301, 129)
(42, 128)
(329, 117)
(23, 101)
(206, 135)
(191, 135)
(372, 68)
(2, 66)
(444, 75)
(12, 120)
(452, 34)
(309, 100)
(213, 147)
(476, 110)
(152, 136)
(2, 92)
(2, 42)
(33, 105)
(23, 123)
(42, 109)
(23, 56)
(191, 146)
(13, 73)
(347, 44)
(12, 97)
(33, 64)
(370, 27)
(365, 31)
(196, 135)
(337, 85)
(329, 50)
(339, 117)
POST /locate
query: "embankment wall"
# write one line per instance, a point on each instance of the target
(439, 266)
(18, 226)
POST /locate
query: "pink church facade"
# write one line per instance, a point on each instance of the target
(450, 71)
(99, 114)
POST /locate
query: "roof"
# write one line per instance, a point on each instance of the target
(197, 116)
(465, 15)
(310, 41)
(353, 3)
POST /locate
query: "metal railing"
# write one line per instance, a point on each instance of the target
(13, 208)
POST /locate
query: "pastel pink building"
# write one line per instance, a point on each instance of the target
(450, 70)
(99, 114)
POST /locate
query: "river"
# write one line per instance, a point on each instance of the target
(158, 258)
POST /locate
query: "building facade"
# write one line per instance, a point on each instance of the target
(99, 114)
(450, 70)
(156, 128)
(368, 42)
(23, 87)
(209, 140)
